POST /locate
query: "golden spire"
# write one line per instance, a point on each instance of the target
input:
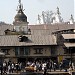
(71, 17)
(20, 6)
(58, 12)
(19, 1)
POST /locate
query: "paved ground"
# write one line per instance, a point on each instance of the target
(52, 73)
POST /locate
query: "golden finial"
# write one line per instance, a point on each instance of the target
(20, 1)
(58, 11)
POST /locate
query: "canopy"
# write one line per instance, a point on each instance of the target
(69, 44)
(68, 36)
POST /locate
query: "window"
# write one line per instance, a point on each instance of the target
(53, 50)
(72, 40)
(38, 50)
(22, 51)
(72, 49)
(17, 51)
(69, 50)
(66, 40)
(26, 51)
(5, 51)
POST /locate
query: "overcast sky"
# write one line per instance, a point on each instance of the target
(35, 7)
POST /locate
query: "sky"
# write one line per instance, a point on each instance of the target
(34, 7)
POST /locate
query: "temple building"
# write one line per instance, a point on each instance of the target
(54, 39)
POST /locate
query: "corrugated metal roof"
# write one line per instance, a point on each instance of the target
(68, 36)
(40, 35)
(42, 29)
(69, 44)
(13, 40)
(58, 26)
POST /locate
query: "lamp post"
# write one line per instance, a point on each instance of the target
(1, 61)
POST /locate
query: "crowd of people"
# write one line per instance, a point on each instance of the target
(11, 67)
(48, 65)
